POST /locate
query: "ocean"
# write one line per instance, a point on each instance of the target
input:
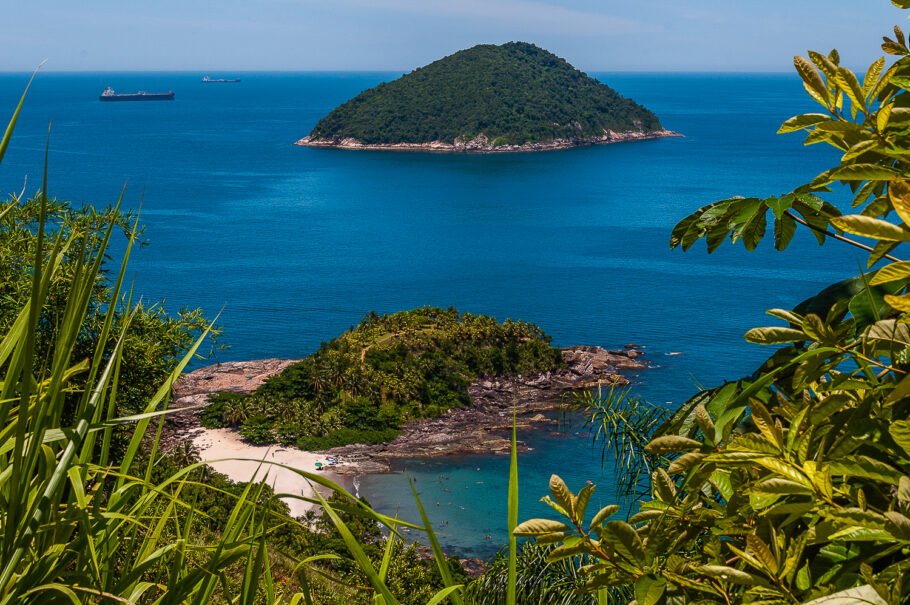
(294, 245)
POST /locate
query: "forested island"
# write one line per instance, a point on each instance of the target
(509, 97)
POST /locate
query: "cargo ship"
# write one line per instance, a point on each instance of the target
(209, 80)
(110, 95)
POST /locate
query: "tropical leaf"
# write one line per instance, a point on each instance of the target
(892, 272)
(538, 527)
(775, 335)
(649, 589)
(623, 538)
(867, 226)
(672, 443)
(801, 122)
(727, 574)
(604, 514)
(899, 196)
(812, 82)
(864, 467)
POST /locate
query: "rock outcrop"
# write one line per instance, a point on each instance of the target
(482, 144)
(480, 428)
(194, 387)
(483, 428)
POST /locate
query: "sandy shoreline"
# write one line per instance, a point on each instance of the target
(219, 444)
(482, 428)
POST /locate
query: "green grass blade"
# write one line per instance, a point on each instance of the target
(387, 557)
(439, 556)
(513, 516)
(356, 550)
(159, 397)
(445, 593)
(4, 143)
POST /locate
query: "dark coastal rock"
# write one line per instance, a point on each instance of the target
(473, 567)
(483, 428)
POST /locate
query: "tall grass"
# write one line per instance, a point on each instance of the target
(77, 526)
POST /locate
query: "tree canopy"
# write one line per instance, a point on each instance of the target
(514, 93)
(360, 386)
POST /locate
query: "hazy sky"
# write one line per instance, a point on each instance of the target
(594, 35)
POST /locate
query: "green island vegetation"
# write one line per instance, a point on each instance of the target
(361, 386)
(790, 485)
(514, 93)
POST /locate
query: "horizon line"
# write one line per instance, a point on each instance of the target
(377, 71)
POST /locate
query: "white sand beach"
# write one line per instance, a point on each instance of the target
(218, 444)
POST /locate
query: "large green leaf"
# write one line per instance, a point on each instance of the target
(867, 226)
(775, 335)
(821, 303)
(623, 538)
(892, 272)
(862, 172)
(812, 81)
(900, 432)
(865, 467)
(538, 527)
(847, 81)
(899, 196)
(649, 589)
(672, 443)
(802, 122)
(872, 75)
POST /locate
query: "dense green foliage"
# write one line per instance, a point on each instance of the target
(792, 483)
(83, 521)
(538, 580)
(361, 386)
(514, 93)
(155, 341)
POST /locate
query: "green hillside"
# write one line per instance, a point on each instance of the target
(361, 386)
(515, 93)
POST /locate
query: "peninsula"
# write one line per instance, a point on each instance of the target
(425, 382)
(489, 98)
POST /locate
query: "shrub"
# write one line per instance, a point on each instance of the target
(257, 430)
(793, 483)
(212, 416)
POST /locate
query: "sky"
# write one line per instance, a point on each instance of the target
(399, 35)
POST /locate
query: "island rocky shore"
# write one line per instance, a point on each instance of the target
(482, 144)
(480, 428)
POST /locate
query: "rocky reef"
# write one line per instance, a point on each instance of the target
(482, 143)
(480, 428)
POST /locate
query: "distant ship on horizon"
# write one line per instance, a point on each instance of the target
(209, 80)
(110, 95)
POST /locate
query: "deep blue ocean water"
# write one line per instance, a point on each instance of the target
(297, 244)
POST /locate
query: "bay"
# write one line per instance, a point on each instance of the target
(294, 245)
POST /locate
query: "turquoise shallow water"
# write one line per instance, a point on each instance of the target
(296, 245)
